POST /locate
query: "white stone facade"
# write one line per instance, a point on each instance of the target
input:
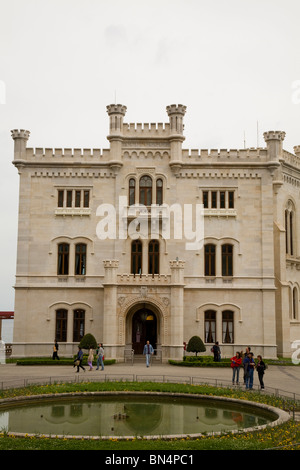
(242, 287)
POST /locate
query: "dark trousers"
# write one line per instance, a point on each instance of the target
(261, 381)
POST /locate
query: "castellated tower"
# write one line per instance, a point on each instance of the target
(20, 138)
(176, 114)
(116, 114)
(274, 141)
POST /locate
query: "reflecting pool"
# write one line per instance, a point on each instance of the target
(128, 415)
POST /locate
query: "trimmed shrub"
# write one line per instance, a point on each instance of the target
(88, 341)
(196, 345)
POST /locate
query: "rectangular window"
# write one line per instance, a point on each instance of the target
(60, 202)
(214, 199)
(86, 198)
(61, 325)
(80, 259)
(73, 198)
(231, 199)
(210, 326)
(69, 198)
(210, 260)
(222, 200)
(63, 259)
(205, 199)
(227, 327)
(77, 198)
(227, 262)
(78, 325)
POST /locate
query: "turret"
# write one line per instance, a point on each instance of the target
(20, 138)
(297, 150)
(274, 141)
(116, 114)
(176, 114)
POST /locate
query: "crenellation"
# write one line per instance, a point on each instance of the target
(146, 129)
(65, 154)
(291, 159)
(215, 155)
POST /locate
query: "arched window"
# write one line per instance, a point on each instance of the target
(63, 259)
(78, 325)
(227, 326)
(131, 191)
(153, 257)
(80, 259)
(210, 326)
(146, 191)
(136, 257)
(227, 260)
(159, 191)
(295, 303)
(61, 325)
(210, 260)
(289, 221)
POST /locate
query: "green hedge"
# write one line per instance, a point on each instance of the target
(202, 363)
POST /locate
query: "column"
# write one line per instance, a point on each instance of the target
(177, 309)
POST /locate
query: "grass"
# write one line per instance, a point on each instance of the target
(286, 436)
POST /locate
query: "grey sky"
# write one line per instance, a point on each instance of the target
(232, 63)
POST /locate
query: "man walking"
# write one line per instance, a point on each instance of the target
(148, 351)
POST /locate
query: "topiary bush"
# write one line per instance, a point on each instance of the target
(196, 345)
(88, 341)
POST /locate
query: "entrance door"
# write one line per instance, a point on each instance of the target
(144, 328)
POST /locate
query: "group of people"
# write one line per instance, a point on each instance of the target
(99, 356)
(247, 362)
(148, 352)
(79, 357)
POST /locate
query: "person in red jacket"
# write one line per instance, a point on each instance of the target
(236, 362)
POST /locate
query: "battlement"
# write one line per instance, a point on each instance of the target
(223, 155)
(146, 130)
(68, 155)
(291, 159)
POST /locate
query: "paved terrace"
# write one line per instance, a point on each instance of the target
(282, 379)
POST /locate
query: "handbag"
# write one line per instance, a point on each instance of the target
(77, 362)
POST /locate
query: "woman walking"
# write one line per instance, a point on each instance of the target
(78, 360)
(91, 358)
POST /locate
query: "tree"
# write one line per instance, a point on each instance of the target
(196, 345)
(88, 341)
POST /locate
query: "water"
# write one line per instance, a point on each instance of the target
(130, 416)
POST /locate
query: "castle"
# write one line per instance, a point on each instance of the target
(92, 258)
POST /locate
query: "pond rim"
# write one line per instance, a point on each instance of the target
(282, 416)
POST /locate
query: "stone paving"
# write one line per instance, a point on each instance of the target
(283, 378)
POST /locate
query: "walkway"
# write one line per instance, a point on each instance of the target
(285, 379)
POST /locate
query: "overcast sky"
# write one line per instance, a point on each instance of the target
(233, 63)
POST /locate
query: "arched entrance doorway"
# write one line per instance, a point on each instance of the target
(144, 328)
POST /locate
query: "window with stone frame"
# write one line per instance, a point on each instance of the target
(80, 259)
(227, 327)
(136, 257)
(61, 321)
(63, 259)
(78, 325)
(210, 326)
(210, 260)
